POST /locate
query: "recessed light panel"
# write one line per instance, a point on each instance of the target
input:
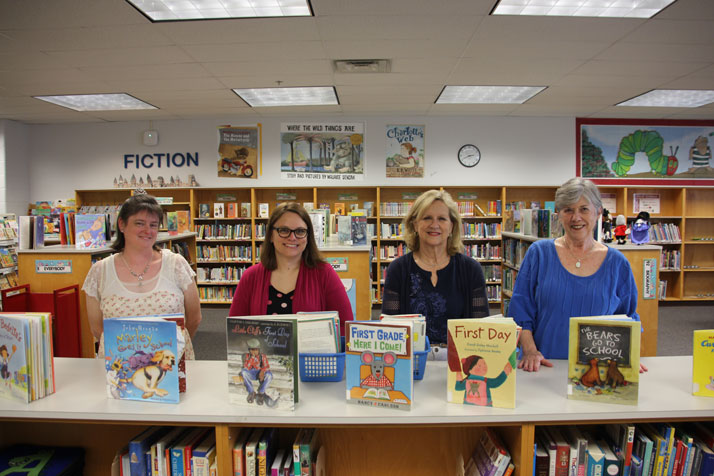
(487, 94)
(672, 98)
(582, 8)
(98, 102)
(174, 10)
(270, 97)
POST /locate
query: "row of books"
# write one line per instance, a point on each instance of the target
(490, 457)
(508, 280)
(391, 230)
(484, 251)
(8, 279)
(228, 210)
(219, 273)
(257, 451)
(469, 209)
(514, 251)
(390, 251)
(481, 230)
(224, 253)
(662, 290)
(223, 231)
(216, 293)
(664, 233)
(27, 354)
(493, 292)
(492, 272)
(8, 256)
(8, 227)
(181, 247)
(394, 209)
(670, 260)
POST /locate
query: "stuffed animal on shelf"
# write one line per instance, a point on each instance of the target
(639, 232)
(621, 229)
(606, 226)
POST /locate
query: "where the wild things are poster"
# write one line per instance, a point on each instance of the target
(405, 151)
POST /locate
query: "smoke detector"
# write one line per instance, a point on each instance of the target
(363, 66)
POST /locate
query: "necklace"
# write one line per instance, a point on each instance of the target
(140, 276)
(436, 265)
(577, 260)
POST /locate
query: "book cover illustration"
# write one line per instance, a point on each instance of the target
(183, 221)
(379, 368)
(40, 460)
(405, 151)
(204, 210)
(218, 210)
(172, 223)
(262, 362)
(359, 230)
(481, 356)
(89, 231)
(141, 359)
(604, 359)
(703, 363)
(14, 368)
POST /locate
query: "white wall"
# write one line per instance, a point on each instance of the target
(14, 167)
(515, 151)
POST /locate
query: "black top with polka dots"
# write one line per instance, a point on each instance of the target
(279, 302)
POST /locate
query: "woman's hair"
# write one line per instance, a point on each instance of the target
(468, 363)
(416, 212)
(310, 256)
(139, 202)
(575, 188)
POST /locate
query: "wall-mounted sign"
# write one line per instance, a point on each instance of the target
(285, 196)
(339, 264)
(53, 266)
(649, 278)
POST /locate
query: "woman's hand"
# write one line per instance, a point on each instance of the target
(531, 361)
(643, 369)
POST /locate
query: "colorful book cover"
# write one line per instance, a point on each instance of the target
(172, 223)
(263, 210)
(703, 363)
(379, 368)
(262, 362)
(183, 221)
(90, 231)
(604, 359)
(218, 210)
(245, 208)
(231, 210)
(481, 361)
(359, 230)
(14, 366)
(141, 359)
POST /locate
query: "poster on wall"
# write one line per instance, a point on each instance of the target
(238, 152)
(645, 152)
(405, 151)
(333, 151)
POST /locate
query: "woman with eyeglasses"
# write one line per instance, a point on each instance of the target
(291, 275)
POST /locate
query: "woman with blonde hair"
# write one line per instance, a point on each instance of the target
(435, 278)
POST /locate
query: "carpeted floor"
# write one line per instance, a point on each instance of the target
(676, 323)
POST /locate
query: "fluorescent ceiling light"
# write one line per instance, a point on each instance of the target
(98, 102)
(308, 96)
(672, 98)
(582, 8)
(487, 94)
(174, 10)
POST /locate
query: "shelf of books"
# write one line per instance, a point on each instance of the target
(8, 251)
(668, 427)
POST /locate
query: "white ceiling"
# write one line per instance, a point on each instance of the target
(187, 69)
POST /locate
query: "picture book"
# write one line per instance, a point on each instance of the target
(219, 210)
(703, 363)
(245, 210)
(262, 361)
(339, 208)
(418, 327)
(604, 359)
(317, 332)
(359, 230)
(344, 229)
(319, 226)
(481, 355)
(264, 210)
(183, 221)
(172, 223)
(379, 367)
(141, 357)
(231, 210)
(89, 231)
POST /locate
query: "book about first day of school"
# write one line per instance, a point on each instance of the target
(481, 355)
(379, 369)
(142, 359)
(604, 359)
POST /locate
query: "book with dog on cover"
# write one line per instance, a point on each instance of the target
(604, 359)
(141, 358)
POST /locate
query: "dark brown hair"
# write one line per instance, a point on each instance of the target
(139, 202)
(310, 256)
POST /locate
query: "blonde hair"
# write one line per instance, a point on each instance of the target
(416, 212)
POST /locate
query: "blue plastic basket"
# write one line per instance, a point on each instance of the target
(420, 361)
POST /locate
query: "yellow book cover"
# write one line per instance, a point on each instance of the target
(482, 362)
(604, 359)
(703, 363)
(339, 208)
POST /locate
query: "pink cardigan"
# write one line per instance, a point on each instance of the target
(317, 289)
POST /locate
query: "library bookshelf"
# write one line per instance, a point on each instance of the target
(433, 438)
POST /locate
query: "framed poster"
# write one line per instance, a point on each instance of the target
(645, 151)
(405, 151)
(238, 152)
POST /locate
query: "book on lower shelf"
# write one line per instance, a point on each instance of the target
(604, 359)
(379, 367)
(703, 363)
(42, 460)
(27, 369)
(482, 361)
(262, 361)
(142, 356)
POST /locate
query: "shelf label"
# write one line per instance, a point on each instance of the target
(649, 278)
(339, 264)
(53, 266)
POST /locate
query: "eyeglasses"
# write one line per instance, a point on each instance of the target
(284, 232)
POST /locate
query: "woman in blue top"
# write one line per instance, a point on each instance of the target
(571, 276)
(435, 279)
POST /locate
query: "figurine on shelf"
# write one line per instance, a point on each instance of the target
(606, 226)
(620, 229)
(639, 232)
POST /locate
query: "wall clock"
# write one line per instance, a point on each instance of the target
(469, 155)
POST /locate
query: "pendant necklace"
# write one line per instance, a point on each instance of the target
(140, 276)
(577, 260)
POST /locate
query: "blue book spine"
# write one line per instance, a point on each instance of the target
(176, 457)
(707, 465)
